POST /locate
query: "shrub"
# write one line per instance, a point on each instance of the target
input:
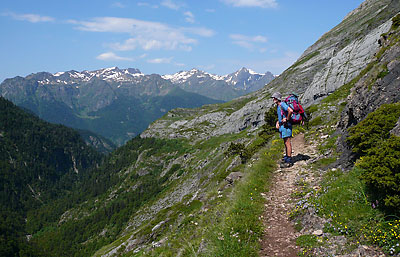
(379, 152)
(374, 128)
(270, 118)
(239, 149)
(382, 172)
(396, 21)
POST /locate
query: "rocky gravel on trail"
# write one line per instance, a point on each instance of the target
(279, 234)
(279, 230)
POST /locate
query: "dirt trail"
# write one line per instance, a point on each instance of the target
(279, 233)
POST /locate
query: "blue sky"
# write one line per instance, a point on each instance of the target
(161, 36)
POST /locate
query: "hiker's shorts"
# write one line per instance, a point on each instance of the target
(285, 131)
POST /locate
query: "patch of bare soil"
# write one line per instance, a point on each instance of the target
(279, 233)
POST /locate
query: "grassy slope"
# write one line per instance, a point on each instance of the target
(223, 221)
(210, 217)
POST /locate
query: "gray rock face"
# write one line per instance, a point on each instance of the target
(345, 65)
(366, 97)
(325, 62)
(378, 86)
(233, 176)
(200, 125)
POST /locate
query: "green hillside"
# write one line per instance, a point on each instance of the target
(39, 162)
(113, 110)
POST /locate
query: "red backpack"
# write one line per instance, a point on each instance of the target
(298, 112)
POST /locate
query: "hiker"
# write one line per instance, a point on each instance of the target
(284, 125)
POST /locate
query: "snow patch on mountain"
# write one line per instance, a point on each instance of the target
(183, 76)
(112, 74)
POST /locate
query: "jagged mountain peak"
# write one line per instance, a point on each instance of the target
(223, 87)
(183, 76)
(244, 73)
(108, 74)
(246, 70)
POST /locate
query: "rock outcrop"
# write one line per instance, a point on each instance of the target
(344, 65)
(379, 85)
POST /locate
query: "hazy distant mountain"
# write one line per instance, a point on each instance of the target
(120, 103)
(115, 103)
(224, 87)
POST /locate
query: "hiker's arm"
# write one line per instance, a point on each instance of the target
(290, 111)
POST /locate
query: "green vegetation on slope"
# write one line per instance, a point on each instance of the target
(239, 229)
(39, 162)
(101, 211)
(379, 152)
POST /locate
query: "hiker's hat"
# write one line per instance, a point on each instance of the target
(276, 95)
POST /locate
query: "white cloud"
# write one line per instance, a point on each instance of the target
(179, 64)
(252, 3)
(34, 18)
(248, 42)
(204, 32)
(154, 44)
(118, 5)
(160, 60)
(110, 56)
(144, 34)
(147, 5)
(240, 37)
(172, 5)
(189, 17)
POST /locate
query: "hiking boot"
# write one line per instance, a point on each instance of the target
(284, 159)
(286, 165)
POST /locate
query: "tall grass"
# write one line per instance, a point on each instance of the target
(241, 228)
(343, 201)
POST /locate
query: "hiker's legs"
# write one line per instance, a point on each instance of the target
(286, 134)
(288, 146)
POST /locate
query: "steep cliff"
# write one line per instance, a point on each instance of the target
(378, 84)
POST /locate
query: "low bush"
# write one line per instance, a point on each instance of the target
(373, 129)
(396, 21)
(379, 152)
(382, 172)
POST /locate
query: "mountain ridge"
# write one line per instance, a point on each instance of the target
(86, 100)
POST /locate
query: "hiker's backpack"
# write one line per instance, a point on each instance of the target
(298, 114)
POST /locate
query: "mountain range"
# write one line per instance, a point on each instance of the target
(224, 87)
(196, 181)
(118, 104)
